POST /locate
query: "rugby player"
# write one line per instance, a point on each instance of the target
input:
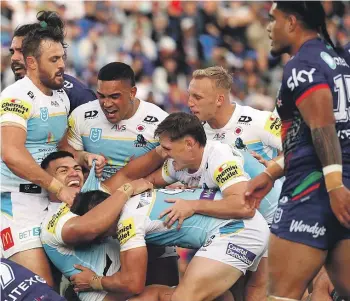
(240, 126)
(121, 127)
(231, 123)
(311, 225)
(18, 283)
(227, 247)
(33, 119)
(196, 162)
(69, 238)
(76, 91)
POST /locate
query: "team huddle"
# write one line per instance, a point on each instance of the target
(98, 190)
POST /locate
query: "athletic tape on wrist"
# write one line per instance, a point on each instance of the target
(332, 168)
(127, 189)
(96, 283)
(55, 186)
(280, 162)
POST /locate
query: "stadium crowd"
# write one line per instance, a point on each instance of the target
(132, 128)
(165, 41)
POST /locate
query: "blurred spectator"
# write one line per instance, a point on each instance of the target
(164, 41)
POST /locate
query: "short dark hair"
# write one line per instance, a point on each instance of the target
(23, 30)
(85, 201)
(49, 27)
(117, 71)
(180, 124)
(54, 156)
(310, 13)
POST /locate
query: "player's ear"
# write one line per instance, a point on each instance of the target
(31, 63)
(220, 100)
(133, 92)
(292, 23)
(189, 142)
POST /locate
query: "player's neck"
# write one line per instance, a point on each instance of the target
(223, 116)
(36, 81)
(135, 105)
(196, 161)
(302, 38)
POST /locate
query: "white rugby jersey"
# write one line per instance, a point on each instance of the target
(90, 130)
(102, 258)
(221, 167)
(259, 131)
(43, 117)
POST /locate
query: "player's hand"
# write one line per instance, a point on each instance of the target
(99, 165)
(177, 185)
(258, 188)
(82, 280)
(180, 211)
(67, 195)
(261, 160)
(140, 186)
(340, 204)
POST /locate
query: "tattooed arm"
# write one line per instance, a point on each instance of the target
(317, 111)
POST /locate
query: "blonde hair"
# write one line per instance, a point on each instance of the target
(218, 74)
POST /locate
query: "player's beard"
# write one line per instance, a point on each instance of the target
(50, 82)
(18, 75)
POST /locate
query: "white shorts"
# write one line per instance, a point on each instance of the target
(21, 217)
(242, 248)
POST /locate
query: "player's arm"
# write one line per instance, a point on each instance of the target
(98, 220)
(163, 176)
(135, 169)
(133, 259)
(16, 156)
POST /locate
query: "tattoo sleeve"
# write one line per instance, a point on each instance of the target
(327, 146)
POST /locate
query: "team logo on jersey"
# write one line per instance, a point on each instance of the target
(328, 59)
(240, 144)
(119, 127)
(219, 136)
(238, 130)
(279, 103)
(226, 172)
(244, 119)
(44, 114)
(91, 114)
(273, 125)
(150, 119)
(95, 134)
(278, 215)
(166, 168)
(140, 141)
(126, 230)
(140, 128)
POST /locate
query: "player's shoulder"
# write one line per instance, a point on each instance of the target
(152, 113)
(220, 151)
(89, 110)
(253, 116)
(21, 89)
(71, 82)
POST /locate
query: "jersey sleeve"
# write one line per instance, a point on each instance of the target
(302, 77)
(15, 110)
(270, 130)
(74, 137)
(168, 172)
(226, 167)
(56, 223)
(131, 231)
